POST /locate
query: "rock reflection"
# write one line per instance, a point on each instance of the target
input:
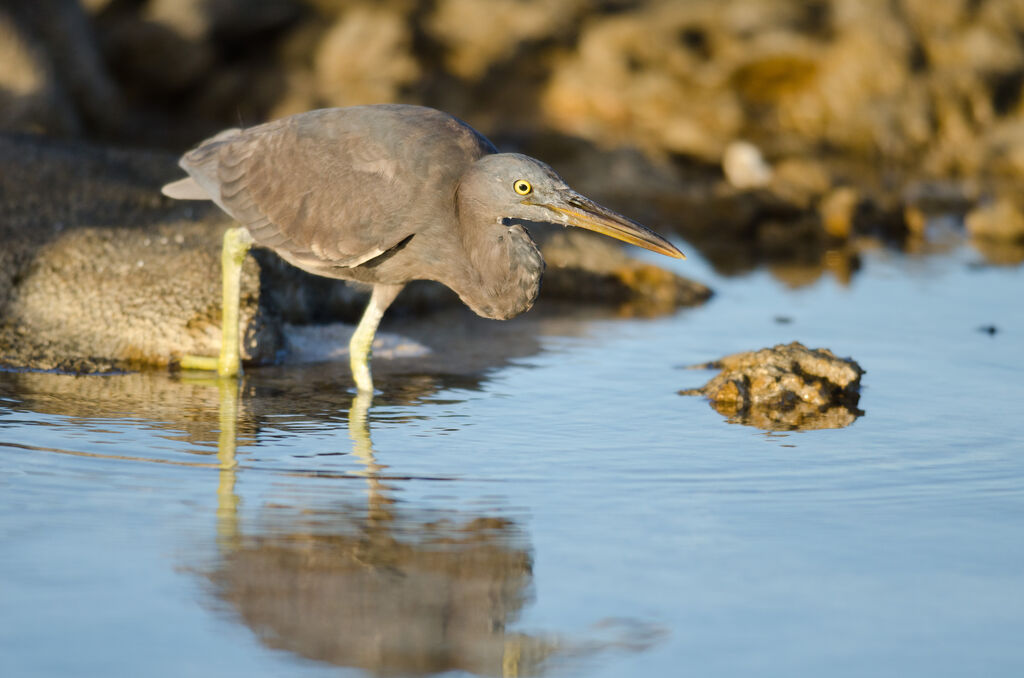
(1000, 252)
(381, 586)
(794, 416)
(184, 407)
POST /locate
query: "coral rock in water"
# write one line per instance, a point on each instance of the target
(787, 387)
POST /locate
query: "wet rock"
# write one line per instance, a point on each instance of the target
(1000, 220)
(137, 296)
(996, 228)
(583, 267)
(837, 210)
(99, 272)
(1000, 252)
(787, 387)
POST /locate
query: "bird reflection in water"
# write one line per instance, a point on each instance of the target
(377, 586)
(389, 586)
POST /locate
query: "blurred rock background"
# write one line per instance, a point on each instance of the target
(792, 133)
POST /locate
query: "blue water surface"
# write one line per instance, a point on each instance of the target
(564, 513)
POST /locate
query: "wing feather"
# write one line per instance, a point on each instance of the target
(319, 191)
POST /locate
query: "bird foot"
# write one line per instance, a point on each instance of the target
(237, 242)
(199, 362)
(204, 363)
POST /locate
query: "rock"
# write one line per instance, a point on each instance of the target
(585, 268)
(996, 229)
(745, 167)
(188, 18)
(787, 387)
(322, 343)
(647, 77)
(141, 49)
(1001, 219)
(837, 210)
(365, 58)
(31, 100)
(658, 92)
(100, 272)
(915, 85)
(916, 220)
(1000, 252)
(800, 181)
(1004, 146)
(478, 35)
(53, 79)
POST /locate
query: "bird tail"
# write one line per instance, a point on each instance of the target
(185, 189)
(193, 161)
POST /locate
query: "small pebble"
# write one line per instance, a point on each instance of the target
(745, 167)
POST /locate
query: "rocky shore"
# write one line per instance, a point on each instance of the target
(792, 135)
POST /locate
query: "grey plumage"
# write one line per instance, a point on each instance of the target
(388, 194)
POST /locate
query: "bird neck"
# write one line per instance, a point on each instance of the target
(503, 267)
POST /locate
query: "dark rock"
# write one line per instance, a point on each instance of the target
(53, 74)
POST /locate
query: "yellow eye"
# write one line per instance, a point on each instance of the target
(522, 187)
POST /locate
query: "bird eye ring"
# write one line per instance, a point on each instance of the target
(522, 187)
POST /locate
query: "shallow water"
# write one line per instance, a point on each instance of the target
(552, 506)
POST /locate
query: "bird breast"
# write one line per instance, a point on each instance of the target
(524, 273)
(506, 273)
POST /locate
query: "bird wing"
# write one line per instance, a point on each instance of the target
(320, 192)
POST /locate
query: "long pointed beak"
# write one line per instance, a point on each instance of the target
(583, 212)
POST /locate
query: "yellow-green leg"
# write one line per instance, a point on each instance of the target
(360, 347)
(237, 242)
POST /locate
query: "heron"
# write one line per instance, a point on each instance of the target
(384, 195)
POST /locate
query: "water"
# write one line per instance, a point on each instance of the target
(558, 509)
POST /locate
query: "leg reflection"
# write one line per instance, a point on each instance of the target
(227, 500)
(362, 449)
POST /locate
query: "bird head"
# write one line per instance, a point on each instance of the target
(519, 187)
